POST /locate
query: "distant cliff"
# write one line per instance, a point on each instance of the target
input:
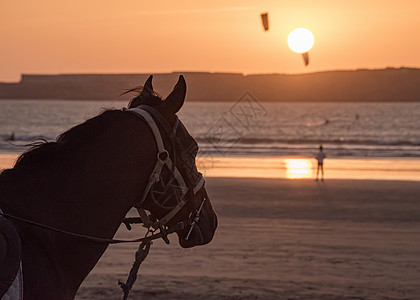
(389, 84)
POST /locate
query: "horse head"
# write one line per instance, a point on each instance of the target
(178, 194)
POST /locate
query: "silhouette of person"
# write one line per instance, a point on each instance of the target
(10, 138)
(320, 158)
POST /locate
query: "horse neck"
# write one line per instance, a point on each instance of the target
(89, 195)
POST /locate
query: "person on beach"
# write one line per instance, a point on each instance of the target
(320, 158)
(10, 138)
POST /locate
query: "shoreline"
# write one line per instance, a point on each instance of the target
(401, 169)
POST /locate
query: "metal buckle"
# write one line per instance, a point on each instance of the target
(164, 234)
(162, 156)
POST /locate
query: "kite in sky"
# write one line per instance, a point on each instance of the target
(264, 20)
(305, 58)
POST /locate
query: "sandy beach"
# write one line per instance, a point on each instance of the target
(284, 239)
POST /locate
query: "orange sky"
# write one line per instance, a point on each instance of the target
(86, 36)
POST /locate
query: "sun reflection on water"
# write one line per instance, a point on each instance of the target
(298, 168)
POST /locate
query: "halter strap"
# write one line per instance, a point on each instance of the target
(145, 112)
(159, 117)
(152, 124)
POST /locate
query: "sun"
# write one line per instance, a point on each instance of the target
(300, 40)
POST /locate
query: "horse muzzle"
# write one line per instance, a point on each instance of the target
(201, 229)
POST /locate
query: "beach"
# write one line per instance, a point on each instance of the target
(284, 239)
(283, 235)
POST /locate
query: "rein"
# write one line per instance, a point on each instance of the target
(177, 227)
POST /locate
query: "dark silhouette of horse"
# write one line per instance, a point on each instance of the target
(85, 182)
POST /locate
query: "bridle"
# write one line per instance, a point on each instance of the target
(164, 159)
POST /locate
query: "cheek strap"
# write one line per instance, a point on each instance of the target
(162, 159)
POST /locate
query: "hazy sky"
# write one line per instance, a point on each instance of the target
(84, 36)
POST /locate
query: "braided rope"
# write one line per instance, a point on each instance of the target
(140, 256)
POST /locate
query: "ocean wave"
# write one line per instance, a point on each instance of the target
(24, 138)
(336, 141)
(309, 150)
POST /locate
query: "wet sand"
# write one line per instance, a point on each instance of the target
(284, 239)
(386, 168)
(391, 168)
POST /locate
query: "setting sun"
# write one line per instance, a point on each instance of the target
(300, 40)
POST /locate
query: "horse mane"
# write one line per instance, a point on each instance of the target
(69, 141)
(80, 135)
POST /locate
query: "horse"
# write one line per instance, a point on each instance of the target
(87, 180)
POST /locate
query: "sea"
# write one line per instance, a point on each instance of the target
(245, 127)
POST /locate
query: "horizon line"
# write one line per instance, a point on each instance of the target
(218, 72)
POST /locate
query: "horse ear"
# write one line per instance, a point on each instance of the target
(175, 99)
(145, 92)
(147, 87)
